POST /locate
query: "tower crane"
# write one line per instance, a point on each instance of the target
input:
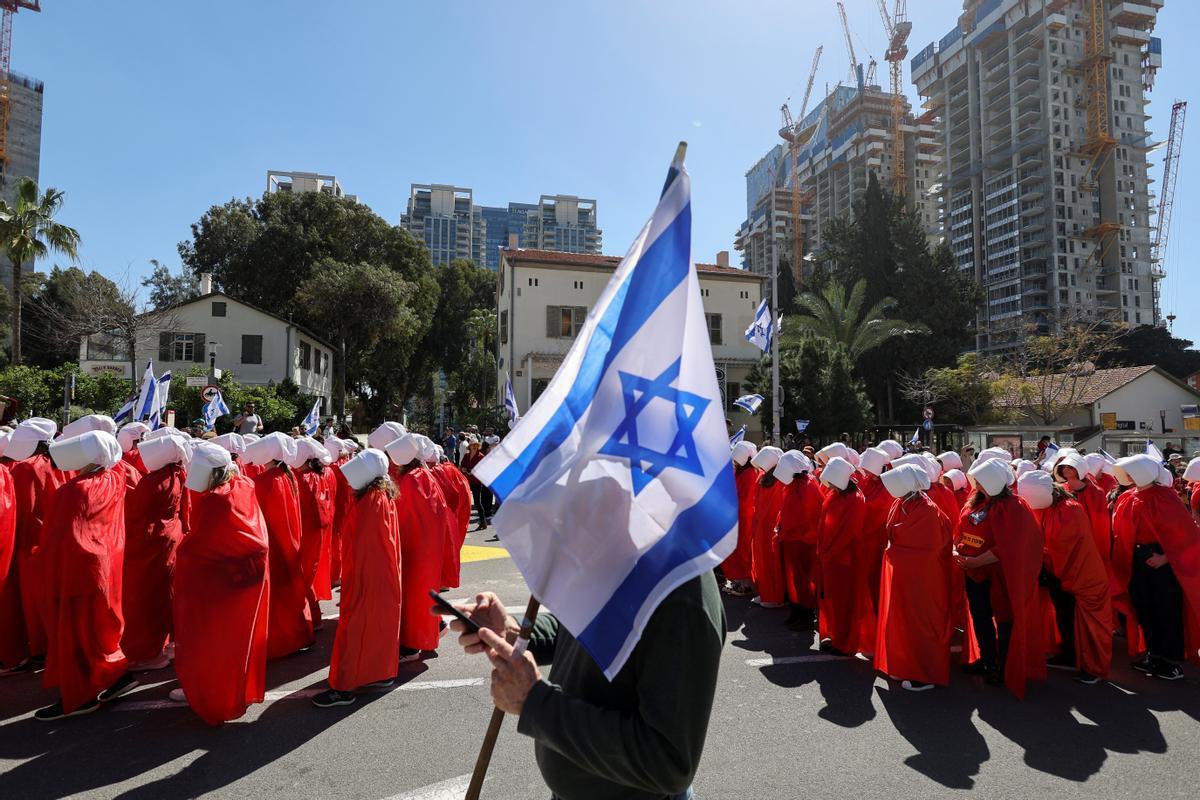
(7, 9)
(841, 7)
(898, 28)
(1166, 203)
(796, 136)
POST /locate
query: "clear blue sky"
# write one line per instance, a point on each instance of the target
(156, 110)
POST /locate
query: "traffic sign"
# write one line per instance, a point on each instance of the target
(209, 393)
(928, 412)
(927, 424)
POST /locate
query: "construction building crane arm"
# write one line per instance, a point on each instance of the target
(841, 7)
(7, 9)
(1166, 202)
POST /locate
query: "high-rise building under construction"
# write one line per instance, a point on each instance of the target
(1042, 143)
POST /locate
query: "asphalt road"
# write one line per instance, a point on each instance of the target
(788, 722)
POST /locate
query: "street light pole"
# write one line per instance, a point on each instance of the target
(777, 412)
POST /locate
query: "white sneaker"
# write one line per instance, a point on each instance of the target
(177, 696)
(914, 686)
(758, 601)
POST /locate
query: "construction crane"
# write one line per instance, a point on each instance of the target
(1166, 203)
(1100, 142)
(898, 29)
(7, 9)
(841, 7)
(796, 136)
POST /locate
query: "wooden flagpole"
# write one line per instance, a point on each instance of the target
(493, 729)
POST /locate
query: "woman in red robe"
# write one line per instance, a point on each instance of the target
(799, 517)
(843, 602)
(737, 567)
(874, 537)
(457, 491)
(343, 507)
(154, 526)
(222, 588)
(1191, 474)
(912, 642)
(368, 634)
(317, 488)
(1076, 578)
(290, 627)
(421, 514)
(1000, 547)
(129, 435)
(1072, 471)
(80, 556)
(765, 565)
(14, 650)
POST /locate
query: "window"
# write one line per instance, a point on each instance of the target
(218, 308)
(181, 347)
(564, 322)
(714, 328)
(251, 348)
(504, 327)
(305, 352)
(732, 392)
(318, 360)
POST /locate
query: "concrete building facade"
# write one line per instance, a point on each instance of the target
(24, 145)
(1051, 232)
(300, 182)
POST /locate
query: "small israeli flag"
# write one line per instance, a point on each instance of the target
(214, 409)
(510, 402)
(762, 329)
(126, 412)
(916, 439)
(1153, 451)
(749, 402)
(737, 437)
(802, 425)
(147, 401)
(158, 418)
(313, 421)
(616, 484)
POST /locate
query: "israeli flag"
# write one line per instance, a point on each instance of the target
(737, 437)
(749, 402)
(126, 412)
(510, 402)
(1153, 451)
(616, 484)
(147, 401)
(213, 409)
(802, 425)
(313, 421)
(916, 437)
(158, 418)
(762, 329)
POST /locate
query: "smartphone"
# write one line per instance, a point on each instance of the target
(445, 605)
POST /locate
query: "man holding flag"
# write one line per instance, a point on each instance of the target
(619, 501)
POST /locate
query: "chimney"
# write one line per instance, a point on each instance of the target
(513, 244)
(206, 283)
(723, 258)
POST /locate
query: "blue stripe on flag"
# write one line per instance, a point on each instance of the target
(657, 273)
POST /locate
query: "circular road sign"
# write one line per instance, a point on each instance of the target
(209, 393)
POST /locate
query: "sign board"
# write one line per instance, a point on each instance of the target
(927, 424)
(1190, 410)
(217, 373)
(1108, 421)
(1126, 425)
(199, 381)
(928, 413)
(209, 393)
(1191, 423)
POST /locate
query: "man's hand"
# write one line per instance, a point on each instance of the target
(488, 612)
(512, 675)
(1157, 560)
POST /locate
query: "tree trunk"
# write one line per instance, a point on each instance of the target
(16, 312)
(340, 378)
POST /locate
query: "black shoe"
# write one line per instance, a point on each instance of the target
(19, 669)
(333, 697)
(915, 686)
(994, 678)
(51, 713)
(1086, 678)
(1145, 665)
(979, 667)
(826, 646)
(1166, 671)
(492, 539)
(124, 685)
(1062, 661)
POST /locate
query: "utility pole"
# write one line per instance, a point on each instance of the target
(776, 395)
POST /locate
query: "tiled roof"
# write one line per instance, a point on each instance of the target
(1097, 385)
(609, 262)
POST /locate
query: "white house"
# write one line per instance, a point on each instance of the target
(543, 298)
(257, 346)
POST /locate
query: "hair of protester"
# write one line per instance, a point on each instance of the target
(383, 483)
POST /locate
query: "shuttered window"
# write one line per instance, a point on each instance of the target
(565, 322)
(252, 348)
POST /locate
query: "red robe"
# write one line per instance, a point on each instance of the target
(946, 501)
(368, 634)
(421, 511)
(221, 596)
(874, 538)
(1194, 500)
(799, 517)
(154, 527)
(1105, 481)
(1120, 569)
(133, 457)
(1073, 558)
(13, 646)
(343, 505)
(1095, 502)
(132, 475)
(290, 626)
(316, 492)
(766, 566)
(81, 554)
(844, 600)
(913, 638)
(456, 489)
(738, 566)
(34, 481)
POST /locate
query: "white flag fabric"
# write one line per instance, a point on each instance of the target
(313, 420)
(159, 417)
(147, 402)
(510, 401)
(616, 484)
(762, 329)
(1153, 451)
(749, 402)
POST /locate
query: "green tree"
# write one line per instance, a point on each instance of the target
(29, 230)
(64, 306)
(967, 391)
(837, 316)
(472, 382)
(168, 288)
(1150, 344)
(463, 288)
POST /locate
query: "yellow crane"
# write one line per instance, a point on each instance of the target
(898, 28)
(797, 136)
(7, 9)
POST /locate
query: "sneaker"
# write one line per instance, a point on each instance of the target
(408, 658)
(381, 684)
(916, 686)
(18, 669)
(826, 646)
(1144, 665)
(333, 697)
(51, 713)
(1166, 670)
(1086, 678)
(740, 589)
(177, 696)
(758, 601)
(124, 685)
(492, 539)
(1061, 661)
(161, 662)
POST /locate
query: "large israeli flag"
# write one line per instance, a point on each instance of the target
(510, 402)
(159, 417)
(147, 402)
(616, 484)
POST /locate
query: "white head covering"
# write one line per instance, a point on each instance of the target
(428, 449)
(791, 464)
(4, 437)
(1165, 477)
(958, 480)
(308, 448)
(233, 442)
(905, 479)
(931, 467)
(991, 475)
(158, 453)
(336, 447)
(1062, 453)
(994, 452)
(835, 450)
(91, 422)
(27, 436)
(441, 452)
(950, 460)
(365, 467)
(837, 472)
(206, 457)
(1139, 470)
(853, 457)
(251, 438)
(165, 430)
(94, 447)
(891, 447)
(1023, 466)
(404, 450)
(1037, 489)
(272, 447)
(1095, 464)
(1190, 473)
(350, 445)
(743, 451)
(131, 433)
(385, 434)
(874, 459)
(767, 458)
(1072, 459)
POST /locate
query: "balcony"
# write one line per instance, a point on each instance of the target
(1125, 35)
(1138, 15)
(1056, 22)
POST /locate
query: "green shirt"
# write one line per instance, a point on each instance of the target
(639, 737)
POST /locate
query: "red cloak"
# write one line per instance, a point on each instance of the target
(799, 517)
(874, 538)
(946, 501)
(154, 527)
(343, 505)
(221, 596)
(1194, 499)
(1120, 570)
(1095, 504)
(34, 481)
(1105, 481)
(133, 457)
(132, 475)
(844, 600)
(81, 554)
(421, 513)
(738, 566)
(456, 489)
(368, 634)
(316, 491)
(290, 627)
(765, 566)
(1071, 550)
(916, 586)
(13, 647)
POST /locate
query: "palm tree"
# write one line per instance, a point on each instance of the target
(839, 317)
(27, 232)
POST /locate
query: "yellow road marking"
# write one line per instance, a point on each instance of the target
(472, 552)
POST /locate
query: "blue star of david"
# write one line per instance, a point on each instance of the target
(646, 464)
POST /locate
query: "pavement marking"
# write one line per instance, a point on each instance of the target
(452, 789)
(779, 660)
(472, 553)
